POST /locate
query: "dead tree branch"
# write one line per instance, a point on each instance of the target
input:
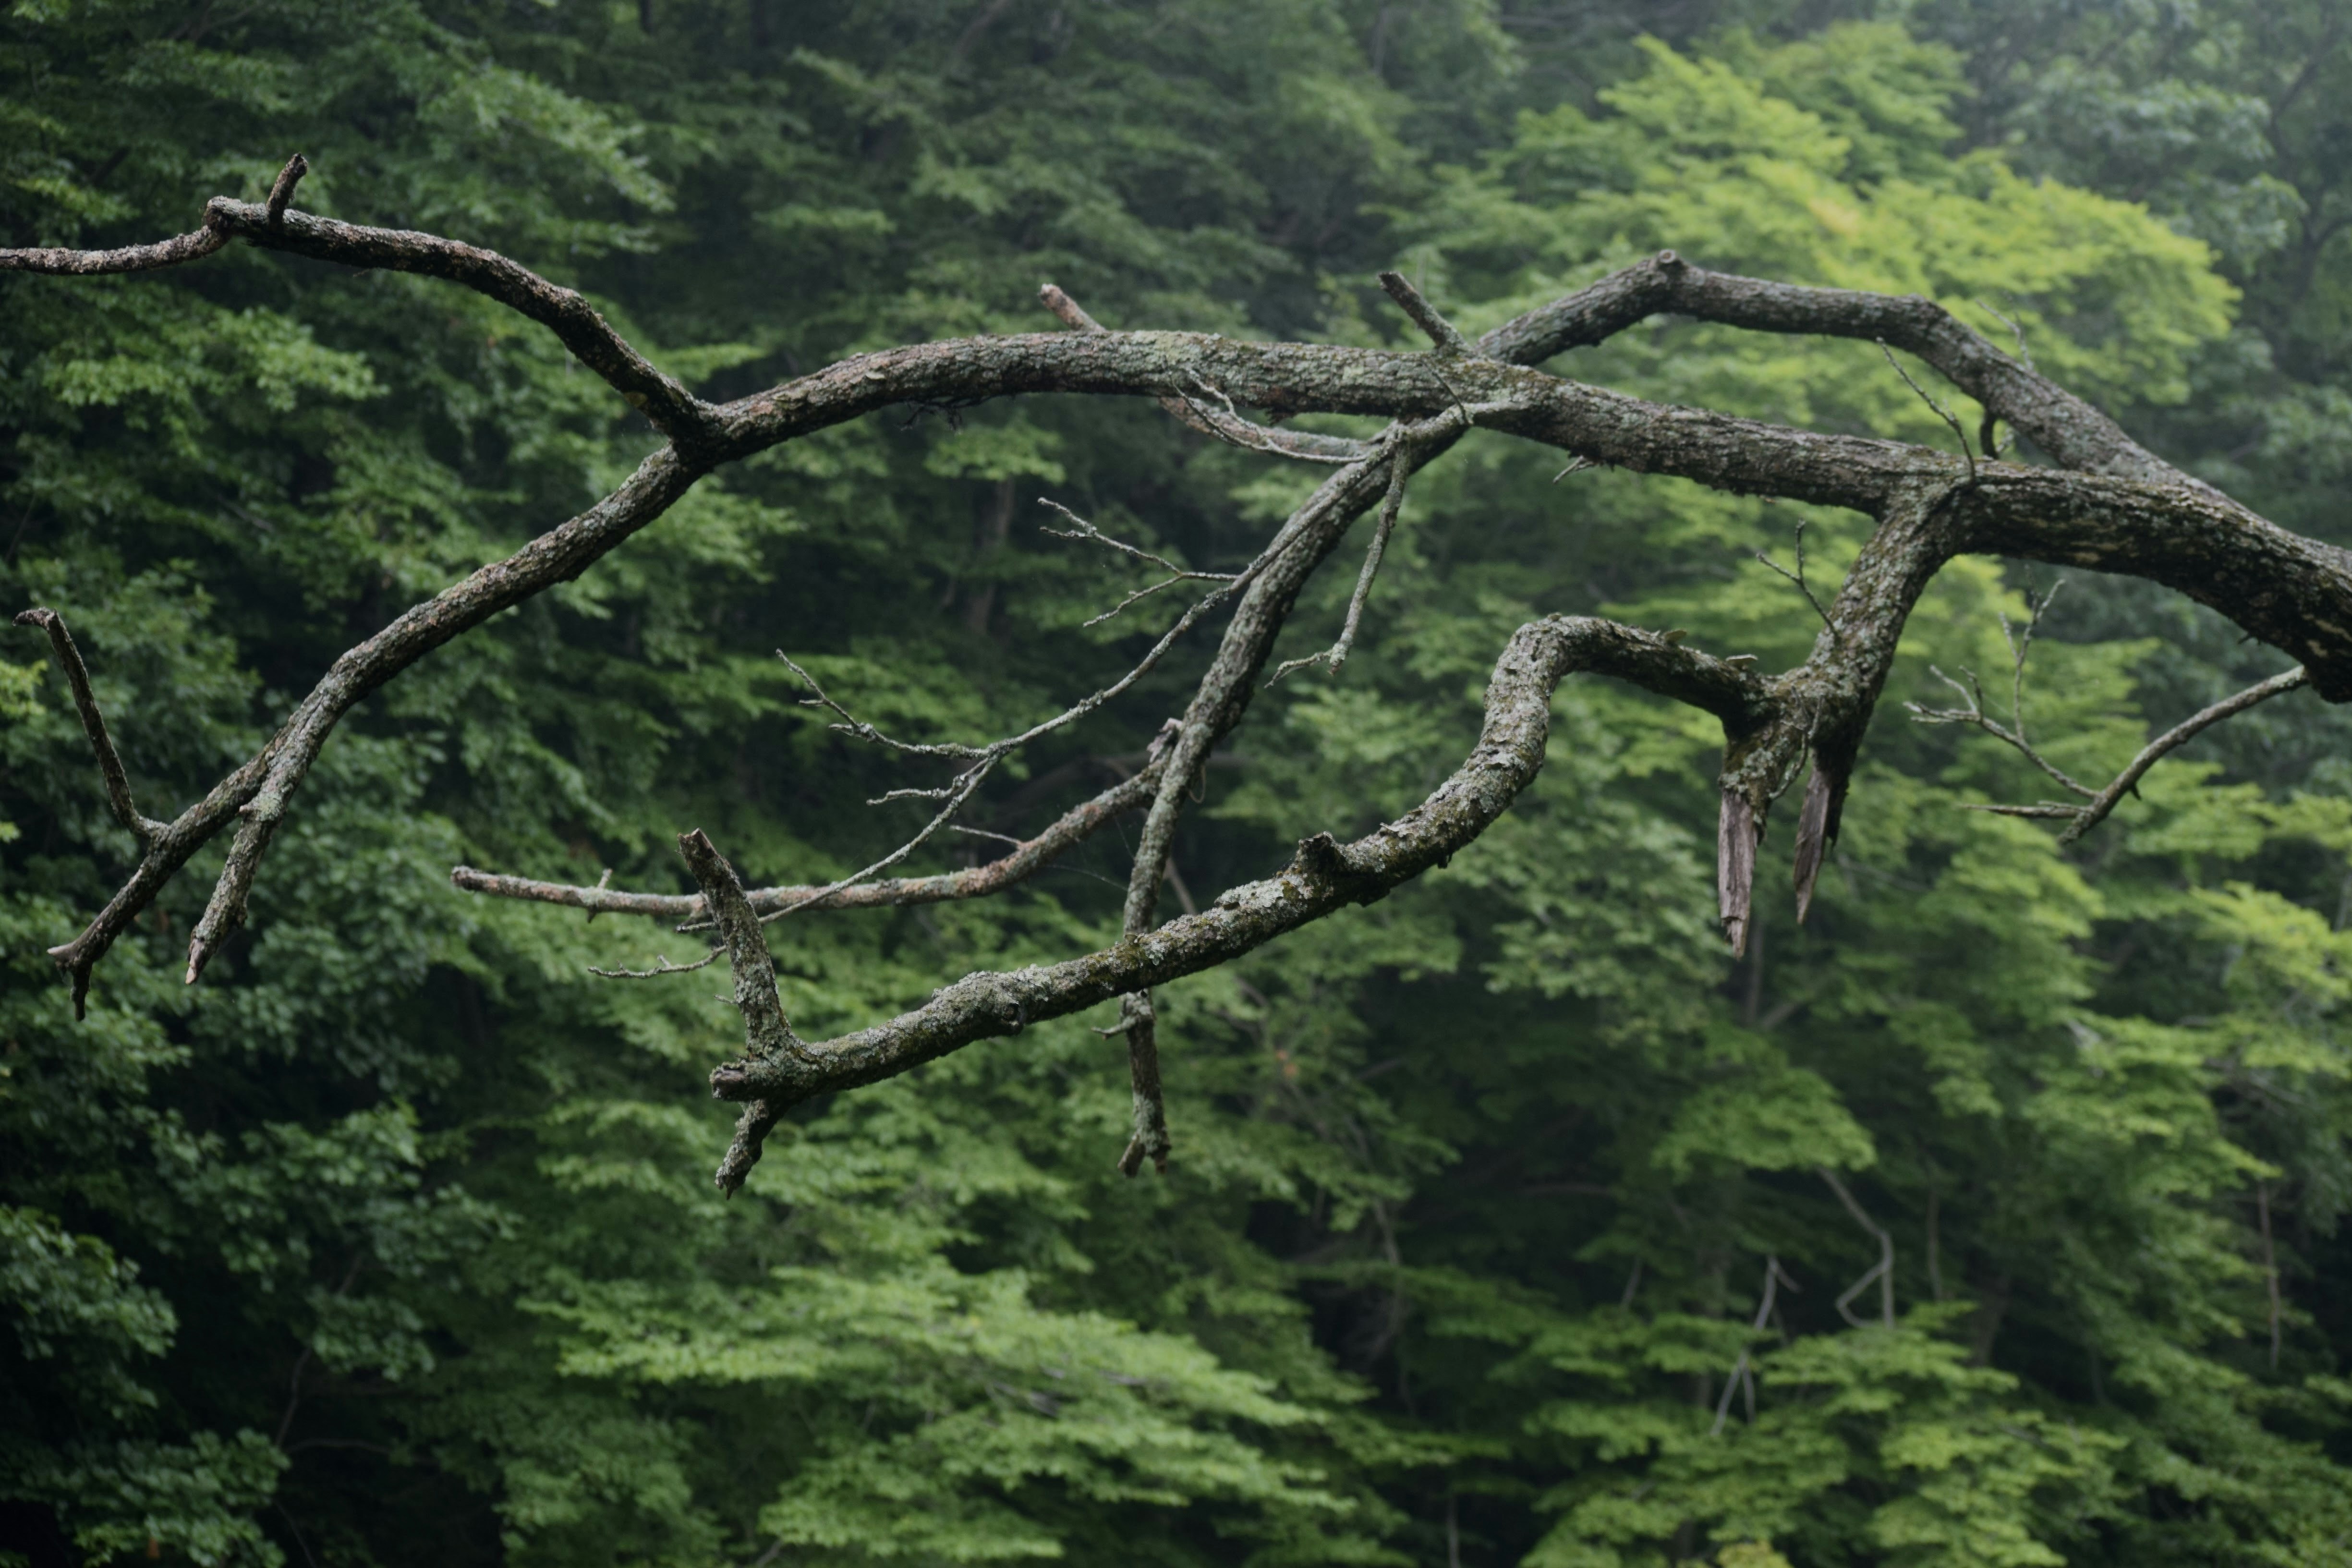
(110, 766)
(1322, 877)
(1742, 1375)
(1030, 856)
(2096, 804)
(2106, 504)
(1882, 1270)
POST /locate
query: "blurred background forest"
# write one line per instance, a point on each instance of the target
(395, 1241)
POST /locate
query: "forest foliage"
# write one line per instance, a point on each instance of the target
(1510, 1219)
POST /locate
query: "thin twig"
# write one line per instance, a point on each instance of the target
(1959, 432)
(1798, 577)
(1336, 656)
(2180, 734)
(1081, 528)
(851, 724)
(662, 965)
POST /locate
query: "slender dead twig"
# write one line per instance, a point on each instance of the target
(1959, 432)
(1336, 657)
(1742, 1375)
(1882, 1270)
(2096, 804)
(1798, 577)
(1081, 528)
(1030, 856)
(110, 766)
(662, 966)
(2180, 734)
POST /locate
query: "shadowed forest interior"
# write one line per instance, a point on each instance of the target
(1992, 1215)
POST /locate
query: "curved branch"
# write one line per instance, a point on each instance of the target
(672, 410)
(1322, 878)
(557, 555)
(2073, 432)
(668, 405)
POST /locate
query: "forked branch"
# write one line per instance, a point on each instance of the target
(2107, 504)
(2097, 805)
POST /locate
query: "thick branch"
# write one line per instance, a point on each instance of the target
(171, 252)
(1323, 878)
(672, 410)
(2076, 435)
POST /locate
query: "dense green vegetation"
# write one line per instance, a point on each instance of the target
(393, 1241)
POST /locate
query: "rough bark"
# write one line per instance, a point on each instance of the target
(2101, 501)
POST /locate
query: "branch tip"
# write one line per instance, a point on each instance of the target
(1442, 334)
(281, 190)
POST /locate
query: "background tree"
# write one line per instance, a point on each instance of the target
(414, 1209)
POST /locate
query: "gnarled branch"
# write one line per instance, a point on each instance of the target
(2109, 505)
(1323, 877)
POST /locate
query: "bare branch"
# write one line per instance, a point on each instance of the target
(1149, 1141)
(110, 766)
(1081, 528)
(281, 190)
(1336, 656)
(2081, 819)
(767, 1032)
(2187, 730)
(672, 410)
(662, 966)
(1882, 1271)
(1228, 426)
(1798, 577)
(2097, 804)
(1323, 878)
(171, 252)
(851, 724)
(1442, 333)
(1967, 453)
